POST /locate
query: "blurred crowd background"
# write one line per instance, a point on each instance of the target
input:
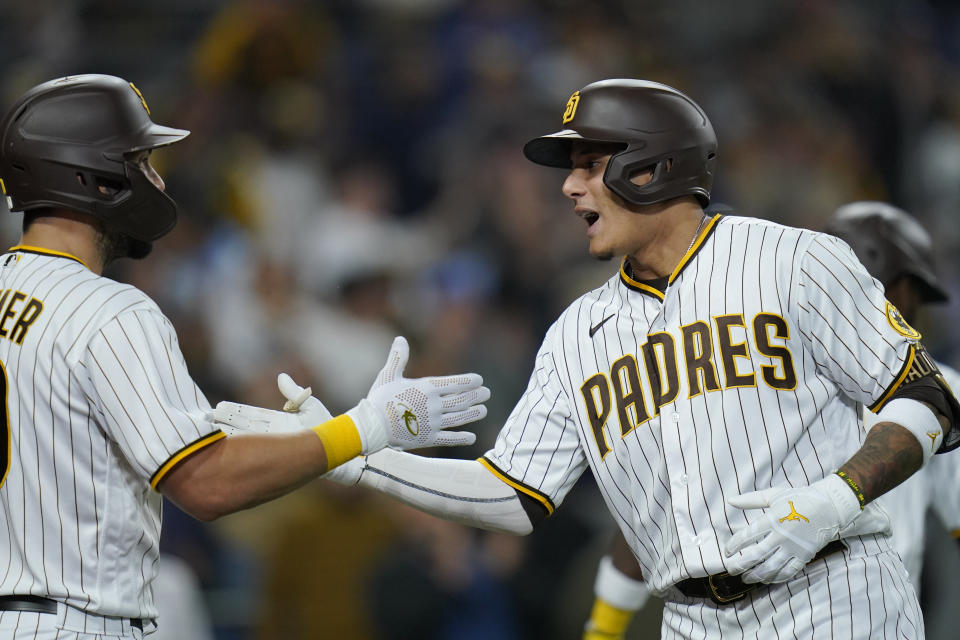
(354, 172)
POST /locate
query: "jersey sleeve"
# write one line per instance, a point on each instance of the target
(151, 406)
(857, 339)
(538, 450)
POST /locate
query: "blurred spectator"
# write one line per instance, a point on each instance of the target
(354, 172)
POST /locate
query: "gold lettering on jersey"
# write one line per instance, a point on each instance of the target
(661, 371)
(628, 393)
(767, 336)
(793, 515)
(698, 356)
(762, 323)
(571, 109)
(596, 398)
(730, 351)
(25, 316)
(10, 310)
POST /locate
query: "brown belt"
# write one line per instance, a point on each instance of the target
(39, 604)
(724, 588)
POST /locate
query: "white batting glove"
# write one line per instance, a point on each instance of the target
(410, 413)
(301, 411)
(796, 524)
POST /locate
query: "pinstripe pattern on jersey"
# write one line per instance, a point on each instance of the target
(879, 404)
(100, 398)
(856, 595)
(792, 299)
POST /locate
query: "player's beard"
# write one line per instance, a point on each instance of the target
(112, 245)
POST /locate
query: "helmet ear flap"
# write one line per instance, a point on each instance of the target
(675, 173)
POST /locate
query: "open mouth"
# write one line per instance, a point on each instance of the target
(590, 217)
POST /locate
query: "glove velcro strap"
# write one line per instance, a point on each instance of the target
(340, 438)
(608, 621)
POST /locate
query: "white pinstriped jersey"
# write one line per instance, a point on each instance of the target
(98, 405)
(936, 486)
(744, 373)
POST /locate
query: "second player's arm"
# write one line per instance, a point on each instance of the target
(463, 491)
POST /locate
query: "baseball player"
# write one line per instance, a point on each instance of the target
(712, 385)
(898, 252)
(100, 416)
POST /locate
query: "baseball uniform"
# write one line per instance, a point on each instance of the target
(99, 408)
(743, 371)
(936, 486)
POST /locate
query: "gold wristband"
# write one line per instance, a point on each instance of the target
(341, 440)
(853, 485)
(607, 620)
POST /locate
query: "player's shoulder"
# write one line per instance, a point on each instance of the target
(735, 223)
(787, 244)
(113, 298)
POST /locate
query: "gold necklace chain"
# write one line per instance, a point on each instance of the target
(703, 218)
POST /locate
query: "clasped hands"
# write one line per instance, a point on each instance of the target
(399, 412)
(795, 525)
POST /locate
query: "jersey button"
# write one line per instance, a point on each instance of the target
(675, 416)
(683, 479)
(699, 539)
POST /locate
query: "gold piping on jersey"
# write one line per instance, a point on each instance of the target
(519, 486)
(184, 453)
(876, 406)
(636, 285)
(955, 533)
(698, 243)
(25, 248)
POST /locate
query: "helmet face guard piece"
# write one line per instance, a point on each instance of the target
(660, 129)
(66, 144)
(890, 243)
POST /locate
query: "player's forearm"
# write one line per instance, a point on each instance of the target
(242, 471)
(463, 491)
(889, 455)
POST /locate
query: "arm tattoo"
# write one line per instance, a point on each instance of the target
(889, 455)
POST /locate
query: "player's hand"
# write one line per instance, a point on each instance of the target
(410, 413)
(795, 525)
(301, 411)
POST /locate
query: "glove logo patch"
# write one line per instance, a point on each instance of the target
(793, 515)
(410, 420)
(895, 318)
(571, 109)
